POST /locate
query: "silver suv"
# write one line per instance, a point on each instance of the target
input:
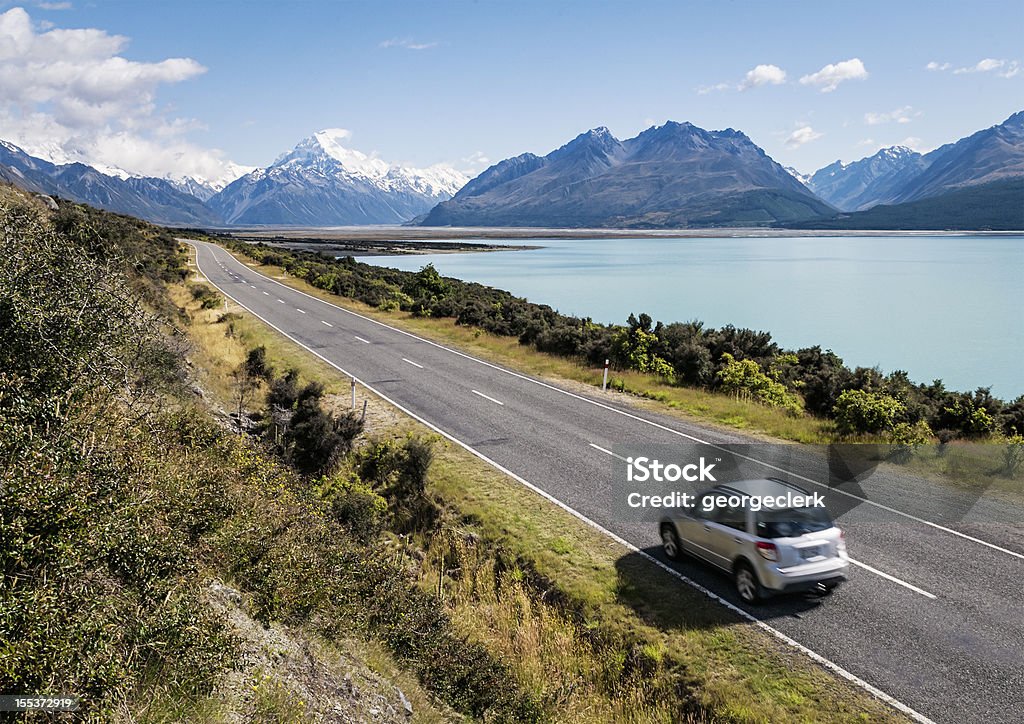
(767, 551)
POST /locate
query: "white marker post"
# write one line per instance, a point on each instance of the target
(604, 384)
(353, 394)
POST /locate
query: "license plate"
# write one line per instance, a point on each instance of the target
(806, 553)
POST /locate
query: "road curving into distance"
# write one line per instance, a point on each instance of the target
(932, 618)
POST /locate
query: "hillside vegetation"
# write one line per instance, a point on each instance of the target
(995, 206)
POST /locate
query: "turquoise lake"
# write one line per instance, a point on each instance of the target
(946, 307)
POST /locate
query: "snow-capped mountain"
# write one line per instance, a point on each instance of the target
(204, 188)
(148, 198)
(323, 182)
(803, 178)
(877, 179)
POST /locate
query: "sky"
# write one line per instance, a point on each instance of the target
(183, 88)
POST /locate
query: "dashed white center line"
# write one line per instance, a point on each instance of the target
(300, 311)
(607, 452)
(894, 579)
(327, 323)
(486, 397)
(253, 286)
(281, 300)
(409, 361)
(266, 293)
(364, 341)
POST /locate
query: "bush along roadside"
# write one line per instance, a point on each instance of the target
(740, 362)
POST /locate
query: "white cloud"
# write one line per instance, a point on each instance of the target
(900, 115)
(407, 43)
(705, 89)
(982, 66)
(914, 143)
(828, 78)
(1001, 67)
(802, 135)
(763, 75)
(53, 5)
(69, 95)
(474, 163)
(1012, 68)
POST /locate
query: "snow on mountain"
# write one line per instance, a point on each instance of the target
(870, 181)
(803, 178)
(323, 182)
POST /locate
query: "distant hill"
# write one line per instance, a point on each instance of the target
(321, 182)
(996, 206)
(675, 175)
(153, 199)
(897, 174)
(993, 154)
(877, 179)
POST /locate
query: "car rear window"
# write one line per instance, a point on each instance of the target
(792, 522)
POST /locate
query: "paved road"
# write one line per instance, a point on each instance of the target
(933, 614)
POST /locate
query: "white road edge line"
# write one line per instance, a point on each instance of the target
(487, 397)
(670, 430)
(865, 566)
(321, 322)
(894, 579)
(607, 452)
(813, 655)
(364, 341)
(414, 364)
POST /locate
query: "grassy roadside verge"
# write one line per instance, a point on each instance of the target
(570, 609)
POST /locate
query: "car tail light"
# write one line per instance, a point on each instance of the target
(768, 551)
(842, 541)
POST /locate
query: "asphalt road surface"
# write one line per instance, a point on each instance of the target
(933, 613)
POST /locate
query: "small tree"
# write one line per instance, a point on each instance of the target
(1013, 454)
(860, 411)
(244, 386)
(745, 379)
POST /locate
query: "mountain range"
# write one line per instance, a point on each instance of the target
(670, 176)
(317, 183)
(897, 175)
(674, 175)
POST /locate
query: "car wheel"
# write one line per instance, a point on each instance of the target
(747, 584)
(670, 542)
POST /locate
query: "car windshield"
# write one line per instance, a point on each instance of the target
(792, 522)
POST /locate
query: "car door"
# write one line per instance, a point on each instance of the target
(727, 535)
(694, 530)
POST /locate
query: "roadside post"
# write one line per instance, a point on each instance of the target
(353, 393)
(604, 384)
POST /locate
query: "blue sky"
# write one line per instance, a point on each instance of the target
(461, 82)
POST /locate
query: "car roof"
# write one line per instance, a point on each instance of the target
(761, 487)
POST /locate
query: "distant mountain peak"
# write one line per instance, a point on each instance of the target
(1017, 120)
(675, 174)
